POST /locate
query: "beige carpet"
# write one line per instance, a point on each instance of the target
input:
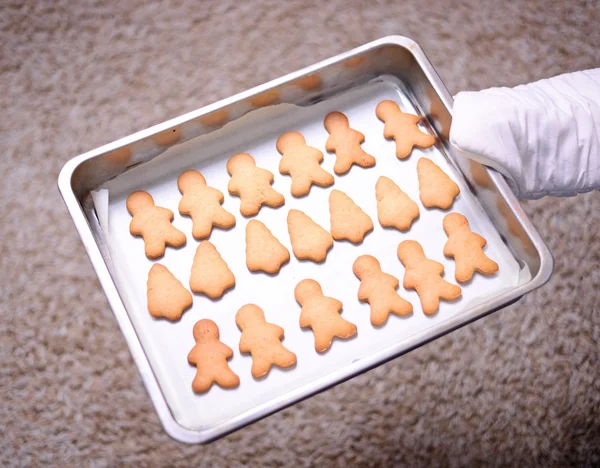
(521, 387)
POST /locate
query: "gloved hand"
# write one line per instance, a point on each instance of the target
(544, 137)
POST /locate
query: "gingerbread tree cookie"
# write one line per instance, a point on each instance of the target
(302, 163)
(264, 252)
(348, 220)
(210, 356)
(394, 207)
(425, 276)
(466, 247)
(309, 240)
(252, 184)
(321, 314)
(153, 224)
(436, 189)
(203, 204)
(210, 274)
(345, 142)
(402, 127)
(166, 295)
(262, 340)
(379, 290)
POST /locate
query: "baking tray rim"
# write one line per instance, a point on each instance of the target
(91, 246)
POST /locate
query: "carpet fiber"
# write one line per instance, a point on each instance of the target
(521, 387)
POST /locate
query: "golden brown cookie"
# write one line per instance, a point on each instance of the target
(309, 82)
(262, 340)
(168, 137)
(268, 98)
(466, 247)
(436, 189)
(402, 127)
(302, 163)
(210, 274)
(203, 204)
(322, 315)
(252, 184)
(345, 142)
(153, 224)
(215, 119)
(379, 290)
(394, 207)
(264, 252)
(425, 276)
(309, 240)
(348, 220)
(210, 356)
(166, 295)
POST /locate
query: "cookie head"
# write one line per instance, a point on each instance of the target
(306, 289)
(365, 265)
(289, 140)
(205, 331)
(454, 222)
(239, 161)
(410, 253)
(137, 201)
(189, 179)
(249, 315)
(386, 109)
(335, 121)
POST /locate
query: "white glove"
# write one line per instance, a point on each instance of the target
(544, 137)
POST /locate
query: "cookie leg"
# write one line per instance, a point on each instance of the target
(487, 266)
(224, 219)
(154, 248)
(450, 291)
(379, 314)
(342, 165)
(227, 378)
(260, 367)
(201, 229)
(273, 198)
(323, 178)
(201, 383)
(249, 207)
(401, 306)
(285, 358)
(423, 140)
(430, 302)
(322, 340)
(300, 187)
(175, 238)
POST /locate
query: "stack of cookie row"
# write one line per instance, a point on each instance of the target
(211, 276)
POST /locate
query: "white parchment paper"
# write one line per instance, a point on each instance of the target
(167, 344)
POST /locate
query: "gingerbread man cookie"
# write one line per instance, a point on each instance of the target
(379, 290)
(264, 252)
(153, 224)
(252, 184)
(348, 220)
(466, 247)
(210, 274)
(394, 207)
(403, 128)
(345, 142)
(425, 276)
(436, 189)
(262, 340)
(309, 240)
(322, 315)
(210, 357)
(203, 204)
(166, 295)
(302, 163)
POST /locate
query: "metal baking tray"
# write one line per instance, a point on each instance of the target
(94, 187)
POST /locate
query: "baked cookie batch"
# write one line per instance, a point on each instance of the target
(211, 276)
